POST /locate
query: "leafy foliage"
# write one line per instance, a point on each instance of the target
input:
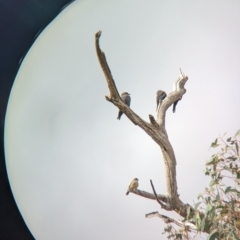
(218, 210)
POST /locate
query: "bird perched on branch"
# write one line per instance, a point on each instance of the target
(126, 99)
(160, 96)
(133, 185)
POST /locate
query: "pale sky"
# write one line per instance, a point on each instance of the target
(70, 160)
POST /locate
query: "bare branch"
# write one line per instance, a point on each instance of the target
(116, 99)
(171, 98)
(166, 206)
(166, 219)
(148, 195)
(102, 59)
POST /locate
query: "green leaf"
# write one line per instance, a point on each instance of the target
(197, 205)
(208, 199)
(188, 211)
(225, 148)
(212, 214)
(227, 168)
(208, 208)
(203, 224)
(213, 182)
(219, 207)
(234, 234)
(213, 235)
(232, 158)
(214, 145)
(213, 159)
(227, 190)
(178, 236)
(199, 196)
(233, 190)
(236, 145)
(237, 133)
(198, 220)
(207, 172)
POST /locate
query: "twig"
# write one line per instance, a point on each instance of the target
(164, 206)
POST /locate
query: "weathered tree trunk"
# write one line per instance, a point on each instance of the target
(156, 130)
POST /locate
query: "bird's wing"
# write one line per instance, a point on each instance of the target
(127, 100)
(163, 95)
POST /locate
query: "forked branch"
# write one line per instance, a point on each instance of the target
(155, 129)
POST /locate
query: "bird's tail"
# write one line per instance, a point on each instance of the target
(127, 193)
(174, 106)
(119, 115)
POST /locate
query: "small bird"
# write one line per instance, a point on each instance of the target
(126, 99)
(160, 96)
(133, 185)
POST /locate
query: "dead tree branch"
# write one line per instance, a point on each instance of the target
(158, 197)
(166, 219)
(166, 206)
(155, 129)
